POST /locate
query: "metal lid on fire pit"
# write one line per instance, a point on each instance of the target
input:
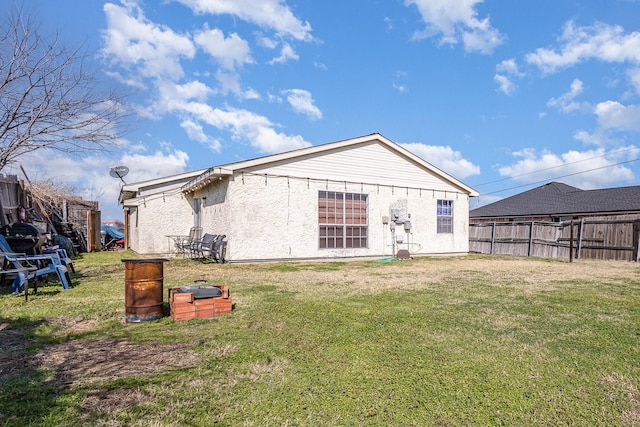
(202, 291)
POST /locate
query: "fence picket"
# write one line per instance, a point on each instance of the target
(595, 239)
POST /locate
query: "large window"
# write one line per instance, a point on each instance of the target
(445, 216)
(342, 218)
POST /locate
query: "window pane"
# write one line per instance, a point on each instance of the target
(445, 216)
(356, 237)
(323, 243)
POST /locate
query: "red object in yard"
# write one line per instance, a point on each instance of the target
(184, 306)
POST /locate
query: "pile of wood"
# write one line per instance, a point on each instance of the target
(51, 206)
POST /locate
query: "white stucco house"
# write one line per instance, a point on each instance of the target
(360, 197)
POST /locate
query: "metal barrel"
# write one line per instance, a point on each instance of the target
(143, 288)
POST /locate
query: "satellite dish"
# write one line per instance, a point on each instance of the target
(119, 172)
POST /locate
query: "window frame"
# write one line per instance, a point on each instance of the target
(343, 220)
(444, 216)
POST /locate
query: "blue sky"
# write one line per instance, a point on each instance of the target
(503, 95)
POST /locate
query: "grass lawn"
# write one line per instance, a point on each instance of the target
(458, 341)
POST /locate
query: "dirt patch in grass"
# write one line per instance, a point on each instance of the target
(76, 325)
(14, 346)
(89, 360)
(97, 360)
(624, 387)
(104, 402)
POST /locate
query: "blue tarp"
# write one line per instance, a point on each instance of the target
(112, 231)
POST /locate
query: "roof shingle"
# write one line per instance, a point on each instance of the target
(556, 198)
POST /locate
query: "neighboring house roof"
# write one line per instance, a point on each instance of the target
(555, 198)
(230, 168)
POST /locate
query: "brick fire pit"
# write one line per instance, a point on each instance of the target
(199, 302)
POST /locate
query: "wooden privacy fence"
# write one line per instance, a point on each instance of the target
(589, 239)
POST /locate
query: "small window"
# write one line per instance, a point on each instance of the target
(445, 216)
(342, 218)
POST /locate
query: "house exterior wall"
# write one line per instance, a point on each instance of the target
(216, 214)
(270, 211)
(276, 217)
(155, 218)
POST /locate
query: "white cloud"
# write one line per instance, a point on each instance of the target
(171, 96)
(150, 49)
(596, 168)
(388, 23)
(614, 119)
(267, 42)
(193, 90)
(272, 97)
(320, 66)
(505, 84)
(565, 102)
(152, 54)
(286, 53)
(615, 116)
(249, 93)
(230, 52)
(506, 71)
(195, 132)
(144, 167)
(133, 81)
(229, 82)
(444, 158)
(302, 102)
(267, 140)
(89, 175)
(243, 125)
(269, 14)
(400, 87)
(455, 21)
(603, 42)
(509, 66)
(634, 77)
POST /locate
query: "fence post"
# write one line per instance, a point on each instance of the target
(493, 237)
(571, 242)
(578, 255)
(531, 239)
(636, 240)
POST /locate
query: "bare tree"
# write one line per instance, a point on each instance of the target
(48, 98)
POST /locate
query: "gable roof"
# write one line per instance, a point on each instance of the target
(130, 191)
(555, 198)
(231, 168)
